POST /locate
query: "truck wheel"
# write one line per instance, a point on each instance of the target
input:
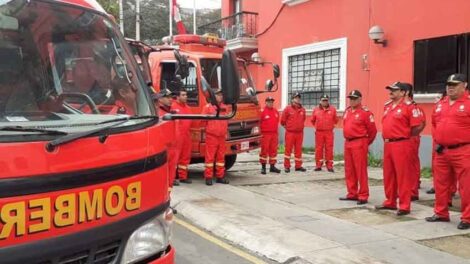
(229, 161)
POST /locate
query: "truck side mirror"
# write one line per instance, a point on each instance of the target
(276, 71)
(230, 78)
(182, 65)
(269, 85)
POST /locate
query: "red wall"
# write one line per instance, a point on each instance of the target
(319, 20)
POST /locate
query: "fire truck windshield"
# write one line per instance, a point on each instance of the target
(65, 68)
(211, 74)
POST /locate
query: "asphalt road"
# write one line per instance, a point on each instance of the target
(195, 246)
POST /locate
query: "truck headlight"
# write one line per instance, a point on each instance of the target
(149, 239)
(255, 130)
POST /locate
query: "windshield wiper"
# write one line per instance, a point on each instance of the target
(50, 146)
(30, 129)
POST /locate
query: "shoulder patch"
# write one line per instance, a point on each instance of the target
(365, 108)
(388, 102)
(408, 102)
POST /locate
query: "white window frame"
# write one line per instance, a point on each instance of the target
(340, 43)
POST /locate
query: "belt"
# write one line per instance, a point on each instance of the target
(387, 140)
(352, 139)
(456, 145)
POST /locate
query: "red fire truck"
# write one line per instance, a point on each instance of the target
(203, 53)
(83, 171)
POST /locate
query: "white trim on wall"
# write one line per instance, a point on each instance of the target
(341, 43)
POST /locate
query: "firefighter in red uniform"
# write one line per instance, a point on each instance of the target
(293, 119)
(183, 135)
(269, 141)
(164, 107)
(399, 123)
(451, 118)
(415, 143)
(216, 133)
(359, 132)
(324, 120)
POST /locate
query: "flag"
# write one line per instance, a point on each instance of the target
(177, 17)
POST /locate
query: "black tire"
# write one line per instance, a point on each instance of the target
(230, 161)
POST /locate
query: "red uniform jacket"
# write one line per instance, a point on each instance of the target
(397, 121)
(324, 119)
(359, 123)
(269, 120)
(452, 122)
(293, 118)
(215, 127)
(183, 126)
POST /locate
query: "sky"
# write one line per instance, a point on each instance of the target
(200, 3)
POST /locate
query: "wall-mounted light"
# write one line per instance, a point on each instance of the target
(376, 33)
(255, 57)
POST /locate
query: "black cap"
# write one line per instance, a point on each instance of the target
(161, 94)
(456, 78)
(399, 86)
(296, 94)
(324, 97)
(355, 94)
(269, 98)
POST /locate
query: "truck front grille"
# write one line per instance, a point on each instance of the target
(238, 130)
(103, 254)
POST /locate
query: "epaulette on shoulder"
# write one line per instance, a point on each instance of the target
(365, 108)
(408, 102)
(388, 102)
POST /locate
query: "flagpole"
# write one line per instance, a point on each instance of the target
(194, 17)
(121, 17)
(137, 20)
(171, 16)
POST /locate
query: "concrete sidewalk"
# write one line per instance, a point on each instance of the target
(297, 218)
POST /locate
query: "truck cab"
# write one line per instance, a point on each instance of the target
(204, 54)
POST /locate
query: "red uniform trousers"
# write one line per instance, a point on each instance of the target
(324, 148)
(215, 152)
(453, 178)
(396, 168)
(355, 161)
(184, 152)
(293, 140)
(269, 143)
(172, 161)
(452, 161)
(415, 165)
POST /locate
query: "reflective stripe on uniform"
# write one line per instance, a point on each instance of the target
(298, 159)
(220, 164)
(182, 167)
(209, 165)
(287, 157)
(263, 158)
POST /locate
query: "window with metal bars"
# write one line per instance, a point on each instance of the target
(314, 74)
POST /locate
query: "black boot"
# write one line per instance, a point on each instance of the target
(273, 168)
(263, 168)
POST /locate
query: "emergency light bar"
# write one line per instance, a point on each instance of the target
(196, 39)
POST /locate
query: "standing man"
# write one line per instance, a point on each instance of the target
(183, 135)
(359, 132)
(451, 118)
(324, 120)
(164, 107)
(216, 132)
(293, 119)
(269, 141)
(399, 124)
(415, 143)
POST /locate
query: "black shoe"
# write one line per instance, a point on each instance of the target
(222, 180)
(302, 169)
(402, 212)
(436, 218)
(431, 191)
(381, 207)
(414, 198)
(331, 170)
(463, 225)
(449, 204)
(274, 169)
(176, 182)
(361, 202)
(287, 170)
(209, 182)
(263, 170)
(317, 169)
(347, 199)
(187, 181)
